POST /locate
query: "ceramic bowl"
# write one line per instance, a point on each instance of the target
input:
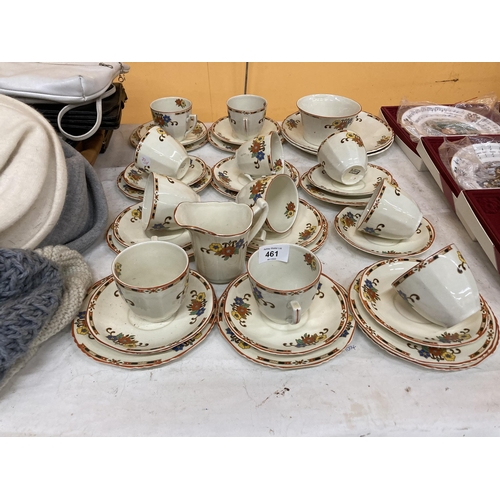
(324, 114)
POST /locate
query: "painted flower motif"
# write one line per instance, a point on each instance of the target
(118, 269)
(369, 230)
(215, 247)
(124, 340)
(355, 138)
(256, 145)
(291, 123)
(181, 103)
(198, 304)
(278, 165)
(348, 220)
(290, 210)
(308, 340)
(307, 232)
(257, 293)
(257, 189)
(310, 261)
(224, 177)
(158, 226)
(454, 337)
(135, 174)
(370, 292)
(240, 309)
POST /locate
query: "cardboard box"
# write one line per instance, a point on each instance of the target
(477, 209)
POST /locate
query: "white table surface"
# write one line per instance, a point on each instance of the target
(213, 391)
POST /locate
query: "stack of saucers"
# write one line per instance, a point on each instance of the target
(375, 133)
(390, 224)
(104, 332)
(222, 136)
(308, 338)
(453, 328)
(195, 139)
(132, 180)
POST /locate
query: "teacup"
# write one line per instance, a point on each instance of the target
(262, 155)
(441, 288)
(283, 290)
(173, 114)
(246, 115)
(280, 193)
(159, 152)
(343, 157)
(390, 213)
(162, 194)
(324, 114)
(152, 278)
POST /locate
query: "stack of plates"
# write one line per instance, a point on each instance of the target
(319, 185)
(197, 138)
(103, 331)
(220, 134)
(126, 230)
(325, 331)
(228, 179)
(377, 136)
(393, 325)
(132, 180)
(345, 225)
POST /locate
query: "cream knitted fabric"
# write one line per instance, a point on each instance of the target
(77, 278)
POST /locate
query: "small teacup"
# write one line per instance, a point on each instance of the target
(280, 193)
(161, 153)
(246, 115)
(343, 157)
(441, 288)
(390, 213)
(162, 194)
(152, 278)
(324, 114)
(262, 155)
(173, 114)
(284, 291)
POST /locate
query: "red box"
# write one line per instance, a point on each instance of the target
(477, 209)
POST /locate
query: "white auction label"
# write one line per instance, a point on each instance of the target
(274, 252)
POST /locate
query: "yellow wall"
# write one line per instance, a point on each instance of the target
(209, 85)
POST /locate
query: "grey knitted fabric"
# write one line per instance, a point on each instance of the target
(84, 217)
(76, 279)
(31, 289)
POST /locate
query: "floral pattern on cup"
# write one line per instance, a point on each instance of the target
(257, 189)
(226, 249)
(257, 149)
(311, 261)
(290, 210)
(259, 298)
(351, 136)
(340, 125)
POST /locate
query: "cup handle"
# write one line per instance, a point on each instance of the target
(296, 313)
(260, 211)
(194, 120)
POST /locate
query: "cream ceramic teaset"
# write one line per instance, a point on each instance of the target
(278, 309)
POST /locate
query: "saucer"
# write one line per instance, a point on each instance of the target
(227, 174)
(324, 322)
(335, 199)
(345, 225)
(305, 229)
(87, 343)
(195, 139)
(221, 189)
(136, 177)
(128, 230)
(365, 187)
(383, 303)
(318, 241)
(117, 247)
(138, 194)
(377, 136)
(438, 358)
(291, 361)
(128, 191)
(222, 130)
(110, 321)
